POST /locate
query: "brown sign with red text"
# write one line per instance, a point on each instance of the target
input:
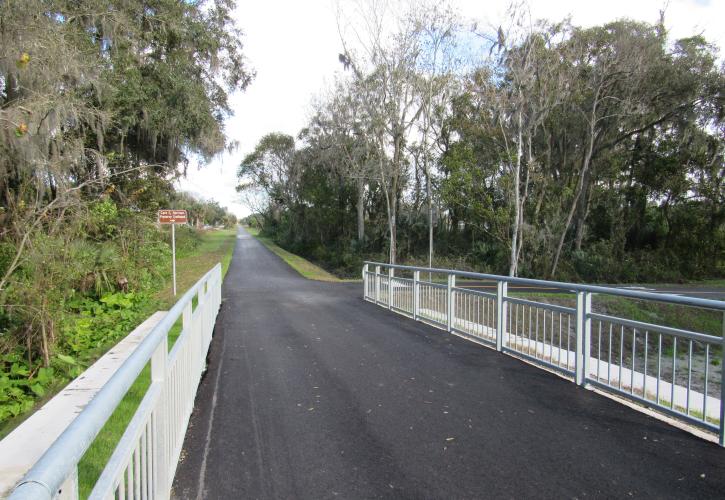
(172, 216)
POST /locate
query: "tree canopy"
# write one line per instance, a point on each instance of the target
(103, 106)
(559, 152)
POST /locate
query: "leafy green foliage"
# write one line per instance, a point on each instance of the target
(89, 327)
(104, 104)
(98, 323)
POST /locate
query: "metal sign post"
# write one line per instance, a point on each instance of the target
(173, 254)
(173, 217)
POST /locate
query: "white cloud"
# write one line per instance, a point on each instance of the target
(293, 46)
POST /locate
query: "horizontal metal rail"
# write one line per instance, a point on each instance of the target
(145, 459)
(576, 287)
(702, 337)
(673, 370)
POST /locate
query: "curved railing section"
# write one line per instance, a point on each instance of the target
(145, 459)
(673, 370)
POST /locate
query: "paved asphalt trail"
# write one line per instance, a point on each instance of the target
(313, 393)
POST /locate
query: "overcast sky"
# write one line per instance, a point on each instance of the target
(293, 47)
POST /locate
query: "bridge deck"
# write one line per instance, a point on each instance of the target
(313, 393)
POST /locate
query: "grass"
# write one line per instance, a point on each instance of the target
(215, 246)
(299, 264)
(97, 455)
(647, 311)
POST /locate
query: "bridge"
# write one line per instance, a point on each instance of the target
(311, 391)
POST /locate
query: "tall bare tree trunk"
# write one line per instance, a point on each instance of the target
(430, 221)
(524, 198)
(360, 209)
(579, 188)
(393, 233)
(517, 200)
(390, 202)
(428, 191)
(581, 214)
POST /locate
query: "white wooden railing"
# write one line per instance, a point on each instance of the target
(145, 459)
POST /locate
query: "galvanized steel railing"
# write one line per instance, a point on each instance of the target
(673, 370)
(144, 462)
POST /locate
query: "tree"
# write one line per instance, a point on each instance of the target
(338, 131)
(102, 104)
(385, 73)
(271, 168)
(438, 28)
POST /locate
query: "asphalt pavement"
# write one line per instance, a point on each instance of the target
(312, 392)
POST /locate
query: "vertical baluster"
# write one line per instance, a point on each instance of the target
(634, 357)
(707, 370)
(621, 354)
(137, 472)
(674, 373)
(543, 333)
(516, 326)
(150, 459)
(689, 376)
(144, 472)
(659, 365)
(559, 353)
(477, 314)
(599, 350)
(536, 336)
(551, 343)
(568, 341)
(122, 486)
(646, 349)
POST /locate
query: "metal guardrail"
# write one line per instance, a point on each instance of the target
(145, 459)
(678, 372)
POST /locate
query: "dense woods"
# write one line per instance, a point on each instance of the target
(539, 149)
(103, 105)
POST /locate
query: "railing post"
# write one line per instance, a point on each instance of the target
(416, 293)
(451, 301)
(583, 335)
(365, 281)
(377, 284)
(391, 273)
(501, 306)
(160, 420)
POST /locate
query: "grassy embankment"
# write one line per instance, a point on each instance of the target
(215, 246)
